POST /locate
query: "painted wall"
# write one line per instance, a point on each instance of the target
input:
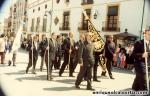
(130, 15)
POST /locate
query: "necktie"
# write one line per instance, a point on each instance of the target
(148, 46)
(53, 42)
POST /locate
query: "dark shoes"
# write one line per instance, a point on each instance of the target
(96, 80)
(71, 76)
(104, 74)
(49, 78)
(26, 71)
(60, 75)
(41, 69)
(111, 77)
(90, 89)
(9, 63)
(33, 73)
(14, 65)
(77, 86)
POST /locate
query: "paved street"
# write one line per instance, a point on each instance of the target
(16, 83)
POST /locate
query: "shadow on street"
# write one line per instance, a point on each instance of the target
(60, 88)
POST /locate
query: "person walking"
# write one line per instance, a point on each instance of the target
(2, 48)
(109, 54)
(51, 47)
(33, 47)
(86, 60)
(69, 53)
(42, 51)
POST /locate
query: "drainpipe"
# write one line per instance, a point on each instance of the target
(142, 20)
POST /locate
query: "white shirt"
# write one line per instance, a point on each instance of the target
(2, 45)
(36, 45)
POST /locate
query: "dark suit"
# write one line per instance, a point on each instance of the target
(52, 53)
(58, 56)
(66, 47)
(35, 55)
(86, 57)
(42, 50)
(76, 54)
(97, 60)
(109, 51)
(139, 63)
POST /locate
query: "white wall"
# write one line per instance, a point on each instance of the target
(130, 15)
(40, 14)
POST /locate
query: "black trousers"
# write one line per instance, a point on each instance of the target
(109, 66)
(75, 62)
(57, 62)
(49, 67)
(2, 54)
(42, 62)
(84, 70)
(140, 79)
(35, 57)
(97, 60)
(65, 63)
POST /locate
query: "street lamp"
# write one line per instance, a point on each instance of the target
(49, 12)
(95, 14)
(45, 15)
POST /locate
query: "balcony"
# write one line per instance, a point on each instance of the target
(62, 27)
(87, 2)
(32, 29)
(81, 27)
(114, 28)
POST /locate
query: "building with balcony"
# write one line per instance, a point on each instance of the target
(21, 14)
(108, 16)
(1, 28)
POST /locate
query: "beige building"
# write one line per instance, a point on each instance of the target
(108, 16)
(17, 17)
(38, 17)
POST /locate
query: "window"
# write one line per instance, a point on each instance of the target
(33, 10)
(32, 25)
(84, 22)
(44, 24)
(112, 18)
(46, 6)
(87, 2)
(57, 1)
(38, 24)
(67, 0)
(66, 20)
(39, 9)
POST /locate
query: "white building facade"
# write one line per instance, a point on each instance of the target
(108, 16)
